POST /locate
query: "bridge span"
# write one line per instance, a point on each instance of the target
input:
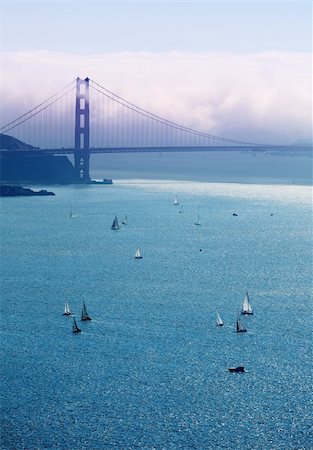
(127, 129)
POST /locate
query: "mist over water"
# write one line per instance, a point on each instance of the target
(150, 369)
(272, 167)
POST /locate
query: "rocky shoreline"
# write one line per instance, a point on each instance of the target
(7, 190)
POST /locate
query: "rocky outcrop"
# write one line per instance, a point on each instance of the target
(14, 191)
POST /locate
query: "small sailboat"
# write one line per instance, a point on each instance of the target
(138, 255)
(176, 202)
(246, 305)
(125, 221)
(85, 315)
(67, 311)
(240, 327)
(198, 221)
(71, 213)
(180, 210)
(75, 326)
(219, 321)
(115, 225)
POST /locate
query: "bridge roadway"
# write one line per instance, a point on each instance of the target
(69, 151)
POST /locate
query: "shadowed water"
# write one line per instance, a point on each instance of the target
(150, 369)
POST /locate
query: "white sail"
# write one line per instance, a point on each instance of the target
(246, 305)
(67, 311)
(198, 221)
(138, 254)
(125, 221)
(115, 225)
(219, 321)
(176, 202)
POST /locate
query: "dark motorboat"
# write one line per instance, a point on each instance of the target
(238, 369)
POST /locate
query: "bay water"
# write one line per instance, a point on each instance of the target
(150, 370)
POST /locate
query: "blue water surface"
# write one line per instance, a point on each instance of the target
(150, 370)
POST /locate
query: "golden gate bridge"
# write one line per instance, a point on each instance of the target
(104, 122)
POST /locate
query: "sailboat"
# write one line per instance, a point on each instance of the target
(71, 213)
(239, 326)
(176, 202)
(125, 221)
(138, 254)
(198, 221)
(180, 210)
(75, 326)
(219, 321)
(85, 315)
(246, 305)
(67, 311)
(115, 225)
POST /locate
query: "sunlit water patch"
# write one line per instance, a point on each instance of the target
(151, 368)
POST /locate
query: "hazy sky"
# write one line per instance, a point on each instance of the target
(234, 64)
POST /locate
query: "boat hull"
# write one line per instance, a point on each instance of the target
(239, 369)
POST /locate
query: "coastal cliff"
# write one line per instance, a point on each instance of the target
(32, 168)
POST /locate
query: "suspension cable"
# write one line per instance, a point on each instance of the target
(36, 107)
(153, 116)
(35, 113)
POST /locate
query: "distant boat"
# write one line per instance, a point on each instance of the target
(125, 221)
(176, 202)
(104, 181)
(246, 305)
(238, 369)
(85, 315)
(180, 210)
(75, 326)
(71, 213)
(239, 326)
(138, 254)
(198, 221)
(115, 225)
(234, 214)
(67, 311)
(219, 321)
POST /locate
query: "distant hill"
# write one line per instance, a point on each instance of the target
(32, 167)
(11, 143)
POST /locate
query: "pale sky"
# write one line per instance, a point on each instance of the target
(156, 26)
(251, 61)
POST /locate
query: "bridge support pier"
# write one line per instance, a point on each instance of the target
(82, 130)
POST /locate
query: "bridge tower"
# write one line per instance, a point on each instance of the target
(82, 153)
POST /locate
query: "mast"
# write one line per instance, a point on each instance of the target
(85, 315)
(75, 327)
(246, 305)
(138, 254)
(219, 320)
(115, 225)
